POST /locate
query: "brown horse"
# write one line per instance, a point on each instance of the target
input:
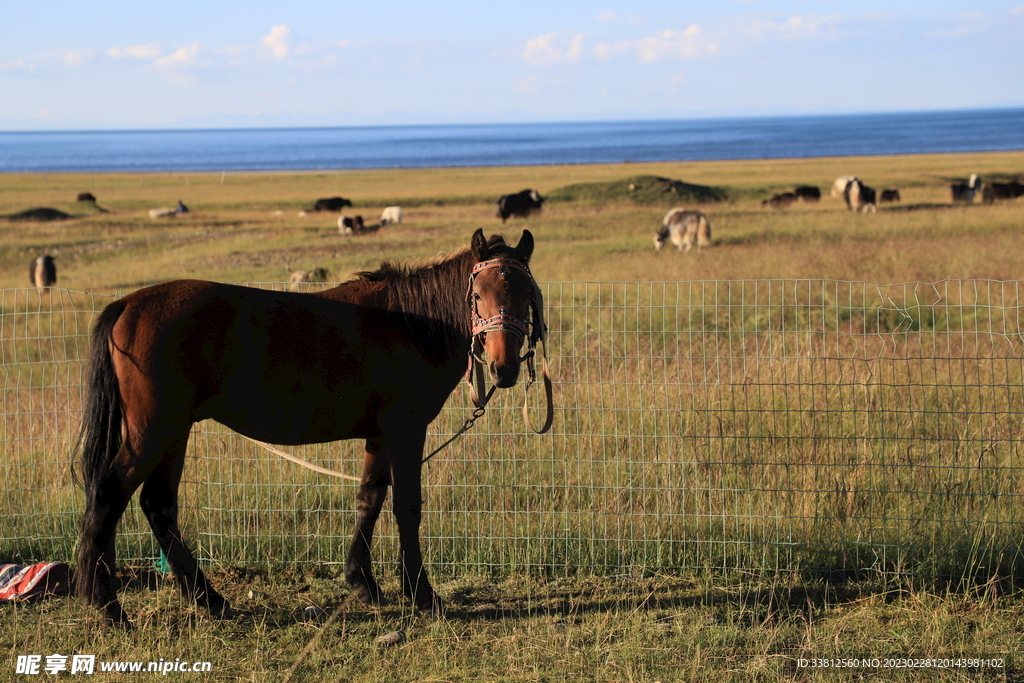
(374, 358)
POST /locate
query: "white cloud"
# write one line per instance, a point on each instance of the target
(147, 51)
(807, 26)
(670, 44)
(47, 61)
(1017, 10)
(546, 49)
(607, 15)
(277, 41)
(183, 56)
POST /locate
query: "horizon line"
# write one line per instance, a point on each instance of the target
(564, 121)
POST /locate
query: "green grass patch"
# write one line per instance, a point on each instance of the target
(639, 189)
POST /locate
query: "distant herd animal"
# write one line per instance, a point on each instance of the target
(522, 204)
(354, 225)
(859, 197)
(807, 193)
(391, 214)
(331, 204)
(802, 193)
(780, 201)
(1010, 190)
(839, 185)
(350, 224)
(966, 192)
(974, 190)
(42, 272)
(297, 277)
(683, 227)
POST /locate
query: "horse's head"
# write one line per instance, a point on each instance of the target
(505, 306)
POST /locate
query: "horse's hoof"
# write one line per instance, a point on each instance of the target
(114, 616)
(431, 605)
(224, 612)
(370, 596)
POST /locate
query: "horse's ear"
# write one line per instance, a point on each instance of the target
(479, 245)
(525, 247)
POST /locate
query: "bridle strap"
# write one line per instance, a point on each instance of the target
(521, 329)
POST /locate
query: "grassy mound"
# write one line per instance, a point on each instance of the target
(40, 214)
(642, 189)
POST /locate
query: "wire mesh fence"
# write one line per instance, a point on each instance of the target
(813, 425)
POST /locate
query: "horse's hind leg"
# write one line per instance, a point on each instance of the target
(372, 490)
(159, 502)
(95, 579)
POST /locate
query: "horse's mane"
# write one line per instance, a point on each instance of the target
(431, 295)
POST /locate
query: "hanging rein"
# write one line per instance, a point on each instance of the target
(534, 331)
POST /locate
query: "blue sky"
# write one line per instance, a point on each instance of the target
(74, 65)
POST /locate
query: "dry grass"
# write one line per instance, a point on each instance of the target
(526, 627)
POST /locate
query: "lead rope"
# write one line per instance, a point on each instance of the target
(300, 461)
(467, 425)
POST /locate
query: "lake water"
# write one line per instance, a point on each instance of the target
(512, 144)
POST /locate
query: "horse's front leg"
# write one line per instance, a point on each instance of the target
(373, 488)
(405, 448)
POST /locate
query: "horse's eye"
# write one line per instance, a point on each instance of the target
(476, 297)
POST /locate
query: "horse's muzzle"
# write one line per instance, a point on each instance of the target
(504, 375)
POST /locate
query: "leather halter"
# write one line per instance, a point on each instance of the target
(533, 331)
(503, 321)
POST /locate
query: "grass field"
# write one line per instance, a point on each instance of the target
(574, 621)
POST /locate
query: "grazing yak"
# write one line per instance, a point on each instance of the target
(780, 201)
(890, 195)
(684, 227)
(1010, 190)
(331, 204)
(392, 214)
(966, 192)
(859, 197)
(839, 185)
(521, 204)
(42, 272)
(350, 225)
(86, 197)
(807, 193)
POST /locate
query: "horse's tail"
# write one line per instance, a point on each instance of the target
(99, 440)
